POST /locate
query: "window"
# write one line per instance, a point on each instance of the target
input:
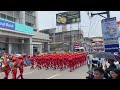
(3, 16)
(14, 19)
(35, 29)
(29, 24)
(10, 18)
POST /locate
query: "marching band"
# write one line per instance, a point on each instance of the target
(53, 61)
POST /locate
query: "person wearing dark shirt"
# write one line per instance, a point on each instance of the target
(114, 74)
(112, 66)
(99, 73)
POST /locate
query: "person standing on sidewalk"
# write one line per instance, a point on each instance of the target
(99, 73)
(89, 61)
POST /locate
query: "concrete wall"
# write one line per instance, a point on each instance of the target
(40, 35)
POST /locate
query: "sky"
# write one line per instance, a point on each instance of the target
(90, 26)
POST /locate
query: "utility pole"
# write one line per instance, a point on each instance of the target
(71, 37)
(100, 14)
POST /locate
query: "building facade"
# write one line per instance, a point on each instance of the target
(22, 17)
(97, 43)
(64, 41)
(87, 44)
(18, 32)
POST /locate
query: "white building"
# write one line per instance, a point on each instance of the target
(18, 32)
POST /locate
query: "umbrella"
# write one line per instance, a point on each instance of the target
(98, 54)
(106, 55)
(117, 57)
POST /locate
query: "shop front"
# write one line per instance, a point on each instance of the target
(15, 37)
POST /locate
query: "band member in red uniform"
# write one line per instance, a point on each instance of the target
(32, 59)
(54, 62)
(70, 63)
(37, 61)
(60, 63)
(47, 63)
(20, 67)
(14, 67)
(6, 69)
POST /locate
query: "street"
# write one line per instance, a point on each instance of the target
(79, 73)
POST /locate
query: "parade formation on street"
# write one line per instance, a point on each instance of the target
(71, 61)
(31, 49)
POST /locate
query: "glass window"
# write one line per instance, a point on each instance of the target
(29, 24)
(10, 18)
(3, 16)
(35, 29)
(14, 19)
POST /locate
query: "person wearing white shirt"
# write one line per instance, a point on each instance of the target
(89, 61)
(117, 64)
(100, 62)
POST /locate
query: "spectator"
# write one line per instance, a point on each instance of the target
(91, 76)
(117, 64)
(89, 61)
(94, 63)
(100, 62)
(0, 65)
(112, 66)
(115, 74)
(99, 73)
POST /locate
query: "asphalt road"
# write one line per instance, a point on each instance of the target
(79, 73)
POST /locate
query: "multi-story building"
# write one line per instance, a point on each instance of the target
(87, 44)
(23, 17)
(64, 40)
(18, 32)
(97, 43)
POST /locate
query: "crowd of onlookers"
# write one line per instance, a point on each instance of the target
(102, 68)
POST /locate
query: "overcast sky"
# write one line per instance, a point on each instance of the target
(47, 19)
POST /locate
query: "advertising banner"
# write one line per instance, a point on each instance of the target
(110, 35)
(7, 24)
(69, 17)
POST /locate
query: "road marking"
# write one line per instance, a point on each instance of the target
(53, 76)
(28, 73)
(24, 74)
(1, 73)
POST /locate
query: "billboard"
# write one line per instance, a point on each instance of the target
(110, 35)
(69, 17)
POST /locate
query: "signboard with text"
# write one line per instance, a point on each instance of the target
(7, 24)
(69, 17)
(110, 35)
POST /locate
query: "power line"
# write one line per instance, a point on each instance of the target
(96, 25)
(91, 24)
